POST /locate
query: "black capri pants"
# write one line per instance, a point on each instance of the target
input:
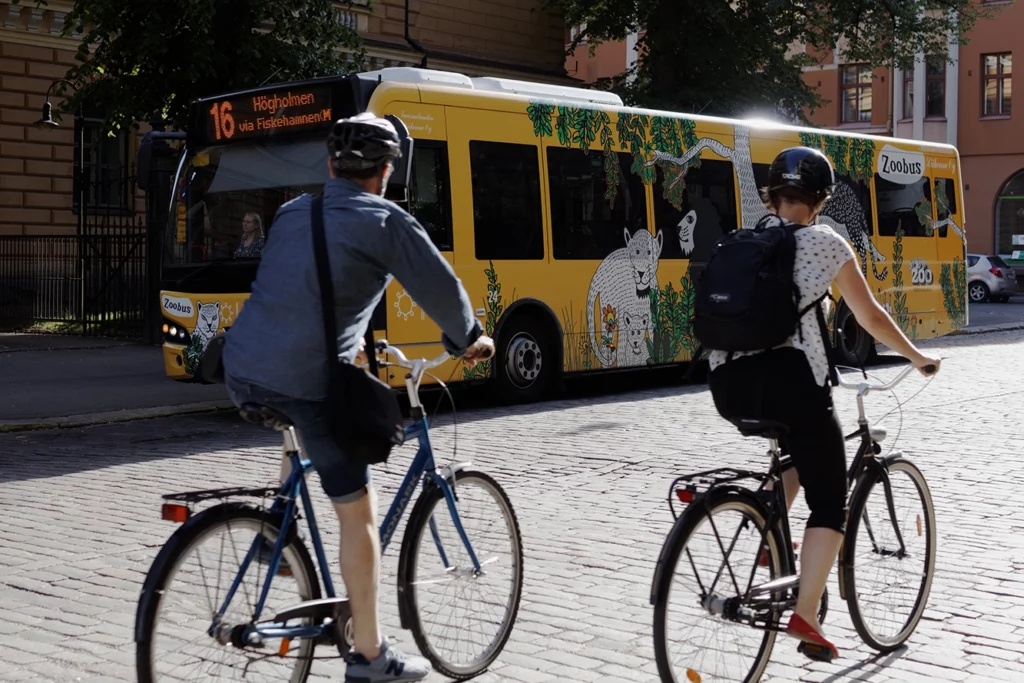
(779, 385)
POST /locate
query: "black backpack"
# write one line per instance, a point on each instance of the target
(747, 299)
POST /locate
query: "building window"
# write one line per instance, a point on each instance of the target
(584, 223)
(707, 211)
(856, 93)
(105, 174)
(997, 87)
(908, 94)
(429, 197)
(507, 221)
(935, 87)
(1009, 214)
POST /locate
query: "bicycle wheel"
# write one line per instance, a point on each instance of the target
(887, 593)
(719, 538)
(437, 583)
(187, 584)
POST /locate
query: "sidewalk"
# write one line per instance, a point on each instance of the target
(49, 381)
(63, 381)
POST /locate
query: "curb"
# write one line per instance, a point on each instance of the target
(90, 419)
(984, 329)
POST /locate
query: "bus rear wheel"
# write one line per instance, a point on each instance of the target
(525, 360)
(855, 346)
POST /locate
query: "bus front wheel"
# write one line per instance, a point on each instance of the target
(524, 361)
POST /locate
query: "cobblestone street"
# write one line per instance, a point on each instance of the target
(588, 478)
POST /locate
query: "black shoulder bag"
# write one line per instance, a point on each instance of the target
(367, 420)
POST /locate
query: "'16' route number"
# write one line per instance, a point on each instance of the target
(223, 121)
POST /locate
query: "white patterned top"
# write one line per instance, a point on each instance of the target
(820, 253)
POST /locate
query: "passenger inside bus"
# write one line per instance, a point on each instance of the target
(252, 240)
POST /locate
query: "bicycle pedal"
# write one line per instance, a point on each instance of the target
(818, 653)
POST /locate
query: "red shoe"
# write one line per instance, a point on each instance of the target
(813, 644)
(762, 559)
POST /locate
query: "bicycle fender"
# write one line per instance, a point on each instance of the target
(869, 474)
(696, 507)
(151, 592)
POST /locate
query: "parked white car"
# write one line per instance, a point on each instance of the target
(989, 279)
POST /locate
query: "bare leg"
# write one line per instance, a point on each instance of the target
(360, 569)
(790, 484)
(821, 546)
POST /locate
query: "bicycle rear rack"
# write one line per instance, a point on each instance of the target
(687, 487)
(214, 494)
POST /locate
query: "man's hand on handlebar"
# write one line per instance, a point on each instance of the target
(481, 349)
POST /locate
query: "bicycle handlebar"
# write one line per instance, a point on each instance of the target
(402, 361)
(864, 387)
(420, 364)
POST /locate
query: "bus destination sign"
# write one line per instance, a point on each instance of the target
(267, 113)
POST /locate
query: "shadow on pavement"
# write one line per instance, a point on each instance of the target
(55, 452)
(866, 669)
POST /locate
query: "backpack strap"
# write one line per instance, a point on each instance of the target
(819, 306)
(691, 368)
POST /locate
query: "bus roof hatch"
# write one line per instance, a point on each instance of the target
(406, 74)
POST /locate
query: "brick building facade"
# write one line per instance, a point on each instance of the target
(38, 193)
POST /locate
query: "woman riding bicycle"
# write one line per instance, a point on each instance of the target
(789, 384)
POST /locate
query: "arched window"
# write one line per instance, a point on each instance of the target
(1009, 213)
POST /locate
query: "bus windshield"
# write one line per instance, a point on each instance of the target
(226, 197)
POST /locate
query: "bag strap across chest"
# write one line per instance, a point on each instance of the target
(323, 274)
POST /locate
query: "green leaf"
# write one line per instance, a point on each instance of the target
(140, 60)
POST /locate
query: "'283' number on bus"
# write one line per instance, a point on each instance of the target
(223, 121)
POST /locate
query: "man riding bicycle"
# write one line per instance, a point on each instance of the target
(274, 353)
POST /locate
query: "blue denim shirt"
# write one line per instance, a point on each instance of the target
(277, 342)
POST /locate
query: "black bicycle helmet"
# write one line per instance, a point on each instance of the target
(362, 142)
(803, 169)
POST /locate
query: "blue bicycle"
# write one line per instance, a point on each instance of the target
(234, 593)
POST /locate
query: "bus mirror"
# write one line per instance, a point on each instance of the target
(144, 163)
(398, 184)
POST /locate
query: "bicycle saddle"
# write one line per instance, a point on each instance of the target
(265, 415)
(769, 429)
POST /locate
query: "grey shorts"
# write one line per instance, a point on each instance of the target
(343, 480)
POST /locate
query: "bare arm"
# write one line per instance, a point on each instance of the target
(873, 317)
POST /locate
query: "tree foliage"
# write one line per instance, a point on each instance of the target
(736, 58)
(147, 59)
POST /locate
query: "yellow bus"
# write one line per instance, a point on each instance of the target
(578, 225)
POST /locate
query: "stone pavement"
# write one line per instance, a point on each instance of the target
(588, 477)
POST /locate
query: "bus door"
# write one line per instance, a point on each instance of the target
(401, 319)
(951, 244)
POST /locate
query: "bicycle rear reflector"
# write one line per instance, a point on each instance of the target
(175, 513)
(687, 496)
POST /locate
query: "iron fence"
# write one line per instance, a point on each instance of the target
(95, 282)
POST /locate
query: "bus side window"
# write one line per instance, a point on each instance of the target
(507, 221)
(945, 202)
(906, 205)
(585, 224)
(707, 210)
(429, 196)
